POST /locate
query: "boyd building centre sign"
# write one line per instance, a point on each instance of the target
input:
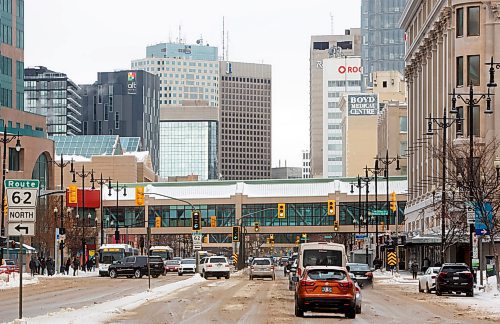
(362, 104)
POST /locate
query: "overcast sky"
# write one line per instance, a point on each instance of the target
(83, 37)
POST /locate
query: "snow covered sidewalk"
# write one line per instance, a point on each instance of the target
(99, 313)
(8, 281)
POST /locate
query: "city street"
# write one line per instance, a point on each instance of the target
(239, 300)
(54, 294)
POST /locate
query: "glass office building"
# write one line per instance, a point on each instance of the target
(382, 41)
(188, 148)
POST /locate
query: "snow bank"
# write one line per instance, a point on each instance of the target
(79, 274)
(12, 280)
(103, 312)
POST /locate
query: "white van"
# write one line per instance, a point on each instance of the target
(320, 253)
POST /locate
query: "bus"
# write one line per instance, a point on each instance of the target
(164, 251)
(108, 253)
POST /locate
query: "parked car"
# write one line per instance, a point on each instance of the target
(359, 296)
(325, 289)
(8, 266)
(364, 275)
(286, 268)
(172, 265)
(263, 268)
(137, 266)
(186, 266)
(455, 277)
(215, 266)
(427, 282)
(291, 274)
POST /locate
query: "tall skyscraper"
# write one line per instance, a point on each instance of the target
(245, 105)
(383, 45)
(124, 103)
(54, 95)
(186, 72)
(324, 47)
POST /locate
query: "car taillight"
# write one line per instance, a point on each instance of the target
(369, 274)
(442, 274)
(209, 265)
(272, 267)
(347, 284)
(252, 267)
(357, 289)
(306, 283)
(433, 277)
(468, 275)
(299, 272)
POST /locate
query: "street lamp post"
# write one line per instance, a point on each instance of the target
(359, 186)
(366, 179)
(5, 140)
(61, 165)
(387, 161)
(117, 189)
(472, 99)
(376, 171)
(444, 124)
(83, 175)
(101, 183)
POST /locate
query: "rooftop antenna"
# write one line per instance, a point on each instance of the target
(227, 46)
(223, 38)
(179, 39)
(331, 23)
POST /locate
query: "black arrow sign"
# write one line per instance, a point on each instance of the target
(19, 228)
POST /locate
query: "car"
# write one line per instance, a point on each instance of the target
(215, 266)
(325, 289)
(291, 274)
(8, 266)
(364, 275)
(359, 296)
(455, 277)
(283, 261)
(286, 268)
(427, 282)
(262, 268)
(137, 266)
(186, 266)
(172, 265)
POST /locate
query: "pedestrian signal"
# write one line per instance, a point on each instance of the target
(236, 234)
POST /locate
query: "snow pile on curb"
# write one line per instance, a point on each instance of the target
(12, 280)
(99, 313)
(401, 278)
(79, 274)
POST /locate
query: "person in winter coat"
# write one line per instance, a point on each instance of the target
(37, 262)
(76, 265)
(50, 266)
(67, 266)
(33, 266)
(414, 269)
(43, 265)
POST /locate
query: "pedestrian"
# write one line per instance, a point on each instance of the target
(37, 265)
(414, 269)
(43, 265)
(76, 265)
(33, 266)
(67, 266)
(50, 266)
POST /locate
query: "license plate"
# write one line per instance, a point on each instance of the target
(455, 278)
(326, 289)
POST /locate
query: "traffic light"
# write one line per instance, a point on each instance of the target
(304, 237)
(117, 236)
(236, 234)
(394, 203)
(206, 239)
(271, 238)
(61, 245)
(73, 194)
(196, 220)
(139, 196)
(157, 221)
(268, 240)
(213, 221)
(297, 240)
(331, 207)
(336, 226)
(256, 227)
(281, 211)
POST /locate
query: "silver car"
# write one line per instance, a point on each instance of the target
(263, 268)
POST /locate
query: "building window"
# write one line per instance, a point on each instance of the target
(402, 148)
(117, 120)
(476, 122)
(473, 21)
(384, 84)
(403, 124)
(15, 159)
(460, 22)
(473, 71)
(460, 71)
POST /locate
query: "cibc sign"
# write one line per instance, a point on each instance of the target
(350, 69)
(362, 104)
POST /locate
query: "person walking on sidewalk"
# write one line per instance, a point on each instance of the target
(67, 266)
(76, 265)
(414, 269)
(33, 266)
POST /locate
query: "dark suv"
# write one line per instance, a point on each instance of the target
(455, 277)
(137, 266)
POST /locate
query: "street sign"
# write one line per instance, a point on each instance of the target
(22, 215)
(327, 237)
(360, 236)
(197, 237)
(391, 258)
(21, 197)
(26, 229)
(378, 212)
(28, 184)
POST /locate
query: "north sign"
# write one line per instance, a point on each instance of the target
(17, 215)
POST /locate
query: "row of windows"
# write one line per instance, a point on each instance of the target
(343, 83)
(166, 62)
(6, 6)
(243, 79)
(473, 21)
(6, 34)
(473, 70)
(6, 65)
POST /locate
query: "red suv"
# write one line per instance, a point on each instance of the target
(325, 289)
(455, 277)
